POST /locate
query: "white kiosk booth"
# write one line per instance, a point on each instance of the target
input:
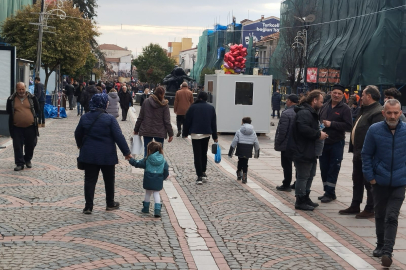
(238, 96)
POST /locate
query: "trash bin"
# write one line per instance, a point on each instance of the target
(48, 99)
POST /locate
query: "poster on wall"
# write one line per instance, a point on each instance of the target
(323, 74)
(7, 71)
(311, 75)
(258, 30)
(333, 76)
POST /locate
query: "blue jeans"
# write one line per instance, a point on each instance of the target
(330, 164)
(147, 140)
(79, 107)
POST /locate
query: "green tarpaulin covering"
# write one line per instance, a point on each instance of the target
(365, 39)
(10, 7)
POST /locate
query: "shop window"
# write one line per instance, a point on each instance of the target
(244, 93)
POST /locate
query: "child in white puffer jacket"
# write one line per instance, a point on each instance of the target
(245, 140)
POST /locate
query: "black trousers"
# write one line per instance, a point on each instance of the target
(24, 142)
(273, 113)
(179, 122)
(124, 112)
(286, 163)
(242, 164)
(359, 183)
(387, 204)
(70, 99)
(91, 175)
(200, 155)
(41, 113)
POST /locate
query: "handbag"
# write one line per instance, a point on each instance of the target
(137, 147)
(217, 156)
(81, 165)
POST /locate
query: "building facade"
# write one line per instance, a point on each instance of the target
(118, 61)
(174, 48)
(187, 59)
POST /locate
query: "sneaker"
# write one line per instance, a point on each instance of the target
(283, 188)
(19, 168)
(115, 206)
(28, 164)
(199, 181)
(327, 199)
(365, 215)
(386, 260)
(204, 177)
(178, 134)
(352, 210)
(87, 211)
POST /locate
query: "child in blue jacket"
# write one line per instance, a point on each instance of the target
(156, 171)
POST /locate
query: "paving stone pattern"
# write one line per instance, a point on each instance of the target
(42, 225)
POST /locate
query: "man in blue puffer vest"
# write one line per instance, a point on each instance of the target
(383, 165)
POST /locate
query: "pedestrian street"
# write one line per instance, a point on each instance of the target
(222, 224)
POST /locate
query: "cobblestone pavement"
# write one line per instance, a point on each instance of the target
(42, 225)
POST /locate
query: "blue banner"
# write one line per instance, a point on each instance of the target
(259, 30)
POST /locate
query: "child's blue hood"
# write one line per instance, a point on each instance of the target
(156, 159)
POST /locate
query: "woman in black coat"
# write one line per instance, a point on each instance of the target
(125, 101)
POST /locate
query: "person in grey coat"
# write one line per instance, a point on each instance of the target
(114, 103)
(245, 140)
(282, 134)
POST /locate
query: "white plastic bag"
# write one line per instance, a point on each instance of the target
(137, 147)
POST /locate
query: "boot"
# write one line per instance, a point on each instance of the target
(157, 210)
(244, 178)
(239, 175)
(378, 251)
(365, 214)
(386, 260)
(309, 201)
(179, 133)
(145, 208)
(302, 205)
(293, 186)
(352, 210)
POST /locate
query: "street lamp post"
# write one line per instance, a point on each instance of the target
(301, 42)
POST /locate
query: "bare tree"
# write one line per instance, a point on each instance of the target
(296, 15)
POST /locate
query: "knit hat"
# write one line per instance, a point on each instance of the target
(339, 87)
(293, 98)
(99, 101)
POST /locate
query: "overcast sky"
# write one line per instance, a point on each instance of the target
(135, 24)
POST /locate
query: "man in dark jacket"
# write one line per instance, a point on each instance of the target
(370, 114)
(283, 132)
(383, 157)
(337, 119)
(302, 147)
(39, 93)
(276, 103)
(125, 101)
(87, 95)
(200, 122)
(69, 91)
(22, 108)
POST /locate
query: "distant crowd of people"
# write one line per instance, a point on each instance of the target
(313, 128)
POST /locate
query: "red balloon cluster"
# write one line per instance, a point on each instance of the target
(234, 60)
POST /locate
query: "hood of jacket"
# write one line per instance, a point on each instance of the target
(247, 129)
(113, 94)
(29, 95)
(157, 103)
(304, 106)
(92, 89)
(156, 159)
